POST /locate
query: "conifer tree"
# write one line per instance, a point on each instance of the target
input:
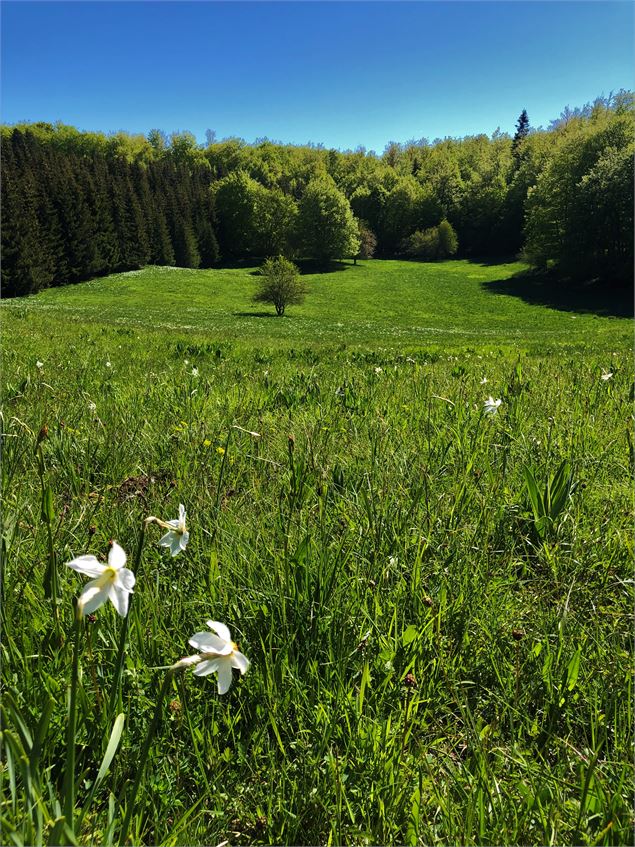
(522, 131)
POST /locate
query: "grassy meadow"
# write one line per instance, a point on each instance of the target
(436, 602)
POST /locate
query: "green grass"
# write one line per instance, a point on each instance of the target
(431, 662)
(378, 303)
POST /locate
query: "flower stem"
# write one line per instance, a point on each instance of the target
(115, 692)
(51, 577)
(69, 775)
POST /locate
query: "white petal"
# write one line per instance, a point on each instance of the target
(174, 523)
(210, 666)
(175, 544)
(240, 662)
(87, 565)
(206, 642)
(184, 539)
(220, 629)
(126, 579)
(166, 540)
(182, 514)
(93, 596)
(118, 596)
(116, 557)
(224, 676)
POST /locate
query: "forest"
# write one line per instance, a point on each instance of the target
(81, 204)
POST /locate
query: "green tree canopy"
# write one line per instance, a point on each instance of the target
(326, 227)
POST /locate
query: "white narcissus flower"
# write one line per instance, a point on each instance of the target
(177, 536)
(606, 375)
(490, 406)
(219, 654)
(113, 581)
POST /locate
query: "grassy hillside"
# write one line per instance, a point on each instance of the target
(436, 602)
(390, 304)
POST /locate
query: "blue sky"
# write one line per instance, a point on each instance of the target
(339, 73)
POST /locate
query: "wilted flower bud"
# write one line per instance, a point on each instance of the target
(518, 634)
(410, 681)
(42, 434)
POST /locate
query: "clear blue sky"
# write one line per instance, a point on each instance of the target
(339, 73)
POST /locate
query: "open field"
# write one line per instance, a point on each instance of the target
(441, 652)
(392, 304)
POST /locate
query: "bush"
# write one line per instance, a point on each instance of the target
(448, 241)
(280, 284)
(438, 242)
(367, 242)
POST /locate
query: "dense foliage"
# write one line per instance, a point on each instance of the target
(78, 204)
(280, 284)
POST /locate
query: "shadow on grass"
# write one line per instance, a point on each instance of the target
(257, 315)
(603, 299)
(311, 266)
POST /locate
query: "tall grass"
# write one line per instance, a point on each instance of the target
(437, 604)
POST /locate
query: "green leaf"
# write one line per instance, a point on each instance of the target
(111, 749)
(559, 490)
(40, 734)
(48, 512)
(409, 635)
(573, 669)
(534, 495)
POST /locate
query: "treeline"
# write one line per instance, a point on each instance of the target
(80, 204)
(73, 210)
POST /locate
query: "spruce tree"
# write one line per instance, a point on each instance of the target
(522, 131)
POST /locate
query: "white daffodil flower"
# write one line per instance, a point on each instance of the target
(606, 375)
(113, 581)
(490, 406)
(177, 536)
(219, 654)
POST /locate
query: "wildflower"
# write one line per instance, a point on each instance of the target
(108, 365)
(220, 451)
(606, 375)
(207, 443)
(490, 406)
(484, 381)
(219, 654)
(378, 370)
(177, 536)
(194, 371)
(113, 581)
(39, 365)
